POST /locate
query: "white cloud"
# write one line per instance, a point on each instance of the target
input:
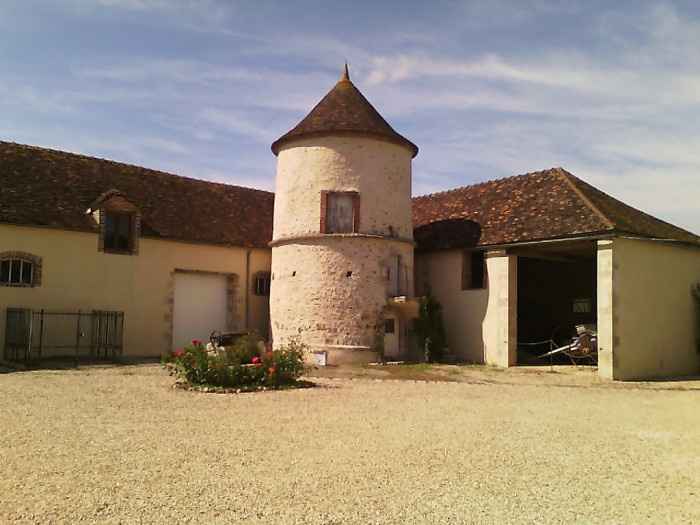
(236, 122)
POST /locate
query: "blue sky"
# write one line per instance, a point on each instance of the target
(608, 90)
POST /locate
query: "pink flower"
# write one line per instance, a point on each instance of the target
(178, 353)
(255, 360)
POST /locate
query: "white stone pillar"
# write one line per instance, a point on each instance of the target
(501, 321)
(605, 311)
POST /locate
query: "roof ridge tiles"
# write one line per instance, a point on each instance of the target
(485, 182)
(129, 165)
(570, 180)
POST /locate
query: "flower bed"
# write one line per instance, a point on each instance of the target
(246, 366)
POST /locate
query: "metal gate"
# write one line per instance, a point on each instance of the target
(35, 335)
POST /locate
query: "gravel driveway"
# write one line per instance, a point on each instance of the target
(118, 445)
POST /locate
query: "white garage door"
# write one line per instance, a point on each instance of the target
(200, 307)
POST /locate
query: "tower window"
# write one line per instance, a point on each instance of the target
(473, 270)
(389, 326)
(340, 212)
(261, 286)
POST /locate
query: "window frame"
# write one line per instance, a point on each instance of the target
(262, 276)
(468, 280)
(19, 262)
(325, 195)
(390, 326)
(131, 217)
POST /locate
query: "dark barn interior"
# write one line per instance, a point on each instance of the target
(556, 292)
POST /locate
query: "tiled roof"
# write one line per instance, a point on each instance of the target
(542, 205)
(344, 110)
(43, 187)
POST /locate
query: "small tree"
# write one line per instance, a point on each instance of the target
(695, 290)
(430, 330)
(379, 344)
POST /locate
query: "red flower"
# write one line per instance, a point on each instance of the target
(178, 353)
(255, 360)
(196, 342)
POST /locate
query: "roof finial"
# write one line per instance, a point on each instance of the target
(346, 73)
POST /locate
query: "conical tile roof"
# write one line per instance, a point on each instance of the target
(344, 110)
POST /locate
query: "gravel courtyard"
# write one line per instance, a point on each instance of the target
(119, 445)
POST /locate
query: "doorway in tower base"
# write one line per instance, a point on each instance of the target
(392, 343)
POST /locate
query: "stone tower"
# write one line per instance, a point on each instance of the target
(342, 248)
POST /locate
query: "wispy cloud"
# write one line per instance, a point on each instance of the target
(238, 123)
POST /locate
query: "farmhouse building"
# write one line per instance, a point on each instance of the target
(338, 256)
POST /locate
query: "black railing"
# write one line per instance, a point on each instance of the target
(35, 335)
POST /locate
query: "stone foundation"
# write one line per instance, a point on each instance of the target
(331, 293)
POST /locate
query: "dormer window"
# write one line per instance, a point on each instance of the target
(118, 232)
(340, 212)
(118, 221)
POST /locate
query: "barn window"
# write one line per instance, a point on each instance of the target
(473, 270)
(261, 286)
(118, 232)
(340, 212)
(19, 269)
(389, 326)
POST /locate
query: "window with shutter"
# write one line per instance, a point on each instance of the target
(340, 212)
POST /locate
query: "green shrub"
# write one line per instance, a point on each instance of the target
(430, 330)
(247, 364)
(245, 349)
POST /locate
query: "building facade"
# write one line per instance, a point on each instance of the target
(80, 235)
(340, 254)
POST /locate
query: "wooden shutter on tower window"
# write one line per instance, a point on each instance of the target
(340, 212)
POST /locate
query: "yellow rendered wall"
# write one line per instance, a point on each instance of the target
(480, 324)
(645, 309)
(76, 275)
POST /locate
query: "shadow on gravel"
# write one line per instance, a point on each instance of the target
(207, 389)
(563, 377)
(58, 364)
